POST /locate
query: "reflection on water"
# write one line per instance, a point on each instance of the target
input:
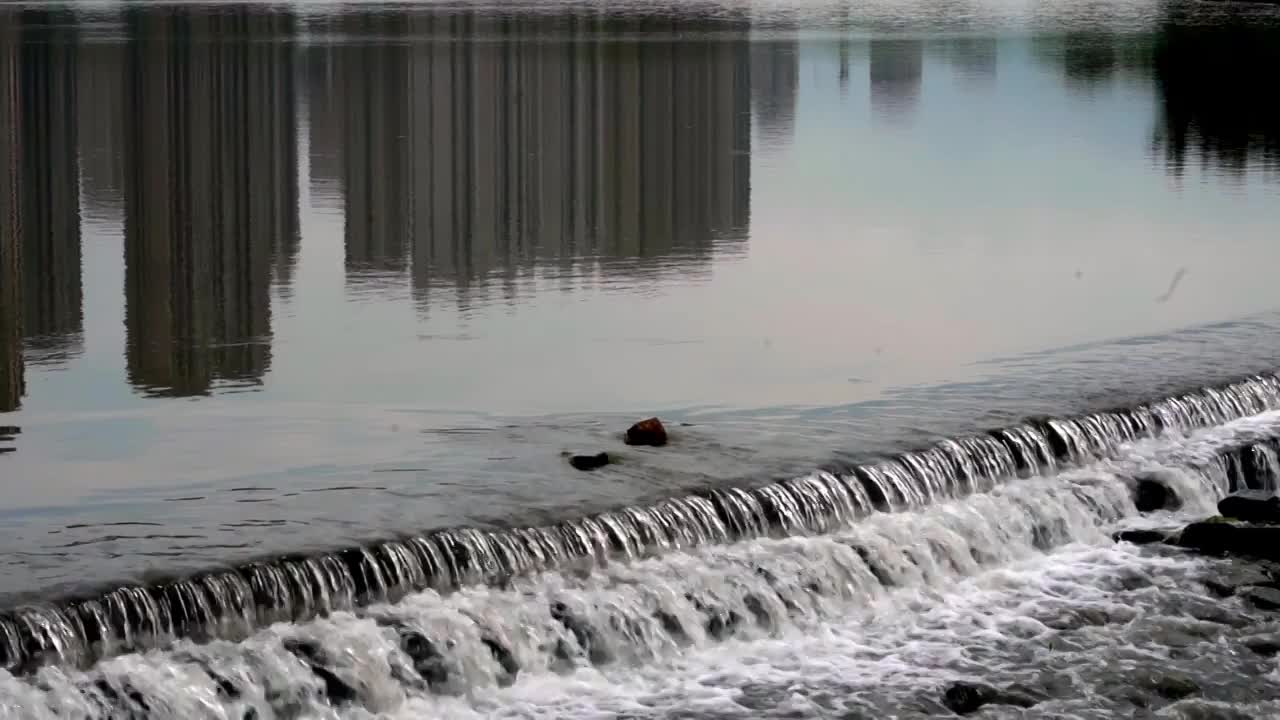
(211, 183)
(52, 296)
(1211, 109)
(470, 162)
(11, 363)
(775, 84)
(897, 70)
(461, 149)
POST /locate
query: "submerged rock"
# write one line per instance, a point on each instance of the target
(647, 432)
(1173, 686)
(1257, 506)
(964, 698)
(589, 462)
(1151, 494)
(1230, 580)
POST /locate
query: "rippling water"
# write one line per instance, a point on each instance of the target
(280, 279)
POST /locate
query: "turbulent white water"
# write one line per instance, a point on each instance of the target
(1020, 584)
(232, 603)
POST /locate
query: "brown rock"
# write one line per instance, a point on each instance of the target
(647, 432)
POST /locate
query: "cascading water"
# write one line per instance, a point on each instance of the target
(432, 647)
(231, 604)
(708, 568)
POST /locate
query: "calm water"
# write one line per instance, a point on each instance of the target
(280, 278)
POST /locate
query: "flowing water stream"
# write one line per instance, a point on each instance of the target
(669, 611)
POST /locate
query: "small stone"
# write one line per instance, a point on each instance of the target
(1263, 598)
(589, 462)
(647, 432)
(1259, 506)
(1141, 537)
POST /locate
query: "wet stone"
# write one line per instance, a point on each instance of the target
(1266, 645)
(587, 463)
(672, 626)
(1142, 537)
(1231, 579)
(1259, 506)
(1263, 598)
(505, 658)
(336, 689)
(1173, 686)
(964, 698)
(647, 432)
(427, 660)
(1152, 493)
(1218, 537)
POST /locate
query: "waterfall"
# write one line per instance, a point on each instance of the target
(232, 604)
(433, 644)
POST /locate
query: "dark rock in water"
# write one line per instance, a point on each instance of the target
(589, 462)
(1045, 536)
(336, 689)
(428, 662)
(1173, 686)
(1267, 645)
(506, 660)
(647, 432)
(672, 626)
(1229, 580)
(127, 700)
(597, 652)
(1227, 538)
(1153, 494)
(964, 698)
(1142, 537)
(1263, 598)
(1257, 506)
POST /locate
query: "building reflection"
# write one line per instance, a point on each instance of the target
(1212, 107)
(100, 135)
(896, 71)
(210, 193)
(490, 149)
(373, 82)
(52, 289)
(11, 362)
(41, 295)
(775, 87)
(1211, 111)
(974, 60)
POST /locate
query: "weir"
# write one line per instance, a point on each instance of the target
(231, 604)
